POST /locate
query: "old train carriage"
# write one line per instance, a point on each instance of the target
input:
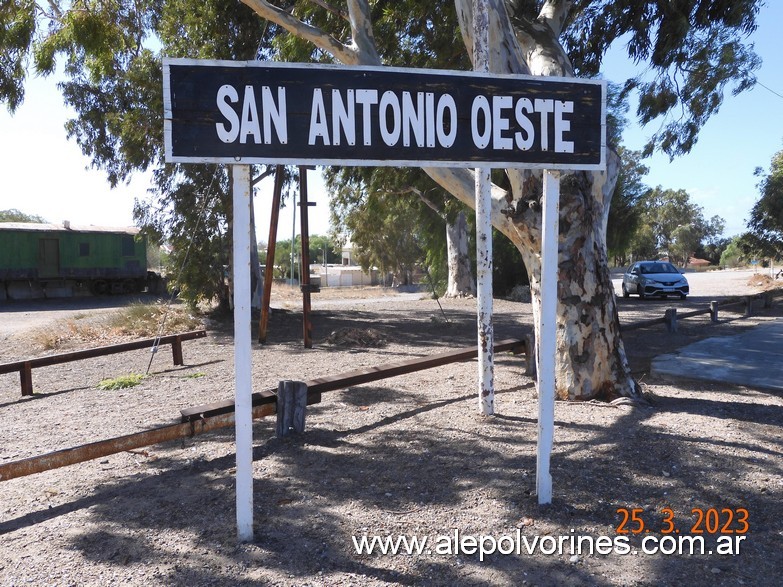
(50, 260)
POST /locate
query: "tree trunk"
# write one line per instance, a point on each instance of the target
(461, 282)
(591, 360)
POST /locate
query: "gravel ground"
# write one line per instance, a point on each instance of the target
(404, 456)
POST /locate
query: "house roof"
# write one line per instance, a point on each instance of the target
(43, 227)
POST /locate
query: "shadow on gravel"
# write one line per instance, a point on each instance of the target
(390, 470)
(313, 493)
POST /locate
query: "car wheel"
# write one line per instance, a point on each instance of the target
(640, 291)
(682, 296)
(625, 292)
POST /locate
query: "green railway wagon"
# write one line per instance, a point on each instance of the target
(49, 260)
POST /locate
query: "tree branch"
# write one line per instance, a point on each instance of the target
(538, 40)
(316, 36)
(461, 183)
(361, 31)
(430, 204)
(554, 13)
(504, 52)
(333, 9)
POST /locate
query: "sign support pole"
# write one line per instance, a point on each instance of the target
(243, 417)
(483, 231)
(547, 344)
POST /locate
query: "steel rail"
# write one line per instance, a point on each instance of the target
(208, 417)
(25, 366)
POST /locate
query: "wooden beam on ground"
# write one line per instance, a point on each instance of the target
(207, 417)
(103, 448)
(315, 387)
(24, 367)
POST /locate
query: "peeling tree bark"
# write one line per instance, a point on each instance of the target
(591, 360)
(461, 282)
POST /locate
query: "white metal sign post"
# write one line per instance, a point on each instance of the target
(243, 414)
(547, 344)
(483, 232)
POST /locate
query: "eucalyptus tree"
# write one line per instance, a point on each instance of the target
(677, 224)
(692, 50)
(14, 215)
(108, 54)
(766, 217)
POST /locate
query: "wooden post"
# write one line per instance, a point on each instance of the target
(748, 306)
(291, 407)
(263, 324)
(176, 350)
(530, 355)
(304, 277)
(714, 312)
(670, 318)
(26, 374)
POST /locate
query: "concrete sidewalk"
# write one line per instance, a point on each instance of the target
(754, 358)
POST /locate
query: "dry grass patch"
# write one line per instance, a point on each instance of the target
(133, 321)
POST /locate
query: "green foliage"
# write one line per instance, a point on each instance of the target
(121, 382)
(17, 30)
(318, 243)
(713, 250)
(644, 245)
(673, 225)
(766, 217)
(14, 215)
(190, 213)
(387, 227)
(625, 212)
(732, 255)
(111, 51)
(689, 51)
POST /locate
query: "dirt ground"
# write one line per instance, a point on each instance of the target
(402, 457)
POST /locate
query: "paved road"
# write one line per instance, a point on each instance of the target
(754, 358)
(710, 283)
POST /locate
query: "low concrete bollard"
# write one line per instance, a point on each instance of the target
(714, 312)
(671, 320)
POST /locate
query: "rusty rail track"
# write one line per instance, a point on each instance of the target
(25, 367)
(208, 417)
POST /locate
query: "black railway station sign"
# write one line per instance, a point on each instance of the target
(241, 112)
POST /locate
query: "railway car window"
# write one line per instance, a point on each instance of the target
(128, 248)
(84, 249)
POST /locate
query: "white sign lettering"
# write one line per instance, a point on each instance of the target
(274, 115)
(262, 112)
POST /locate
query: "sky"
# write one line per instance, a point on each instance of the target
(45, 174)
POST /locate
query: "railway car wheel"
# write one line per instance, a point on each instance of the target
(99, 287)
